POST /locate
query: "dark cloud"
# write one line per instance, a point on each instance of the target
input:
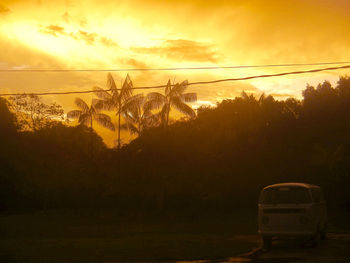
(66, 17)
(134, 63)
(4, 9)
(89, 38)
(69, 19)
(53, 30)
(108, 42)
(181, 49)
(83, 23)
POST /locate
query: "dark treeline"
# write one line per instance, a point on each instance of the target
(218, 161)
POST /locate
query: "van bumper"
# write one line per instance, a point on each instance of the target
(287, 234)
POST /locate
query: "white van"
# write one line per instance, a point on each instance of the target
(291, 210)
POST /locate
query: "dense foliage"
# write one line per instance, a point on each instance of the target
(218, 161)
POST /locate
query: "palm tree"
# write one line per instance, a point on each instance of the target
(137, 114)
(250, 98)
(113, 99)
(87, 114)
(174, 97)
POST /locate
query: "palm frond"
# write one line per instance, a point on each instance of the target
(183, 107)
(269, 99)
(113, 88)
(130, 117)
(94, 102)
(93, 110)
(111, 83)
(248, 98)
(262, 98)
(84, 118)
(180, 88)
(163, 113)
(126, 90)
(81, 104)
(158, 119)
(135, 101)
(105, 121)
(156, 100)
(147, 106)
(245, 95)
(124, 126)
(129, 126)
(168, 88)
(107, 105)
(101, 93)
(147, 113)
(74, 114)
(99, 105)
(150, 120)
(189, 97)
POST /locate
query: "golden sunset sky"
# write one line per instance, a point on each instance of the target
(87, 34)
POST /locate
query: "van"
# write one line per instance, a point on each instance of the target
(295, 210)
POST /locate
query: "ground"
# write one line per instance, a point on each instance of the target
(334, 249)
(101, 236)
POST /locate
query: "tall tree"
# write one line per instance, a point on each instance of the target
(174, 96)
(114, 99)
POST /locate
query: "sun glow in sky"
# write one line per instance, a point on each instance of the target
(77, 34)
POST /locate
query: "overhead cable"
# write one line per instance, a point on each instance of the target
(189, 84)
(172, 69)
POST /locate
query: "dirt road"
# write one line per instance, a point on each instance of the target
(335, 249)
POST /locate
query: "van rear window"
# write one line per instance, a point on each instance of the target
(285, 195)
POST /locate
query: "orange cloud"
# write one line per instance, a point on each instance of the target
(4, 9)
(182, 50)
(133, 62)
(53, 30)
(89, 38)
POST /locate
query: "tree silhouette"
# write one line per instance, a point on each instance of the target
(113, 99)
(174, 97)
(138, 114)
(87, 114)
(266, 139)
(33, 114)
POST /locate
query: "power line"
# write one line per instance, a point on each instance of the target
(172, 69)
(189, 84)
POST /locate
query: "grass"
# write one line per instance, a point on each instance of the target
(103, 236)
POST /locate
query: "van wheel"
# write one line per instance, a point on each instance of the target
(267, 242)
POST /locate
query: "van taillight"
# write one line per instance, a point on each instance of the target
(284, 210)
